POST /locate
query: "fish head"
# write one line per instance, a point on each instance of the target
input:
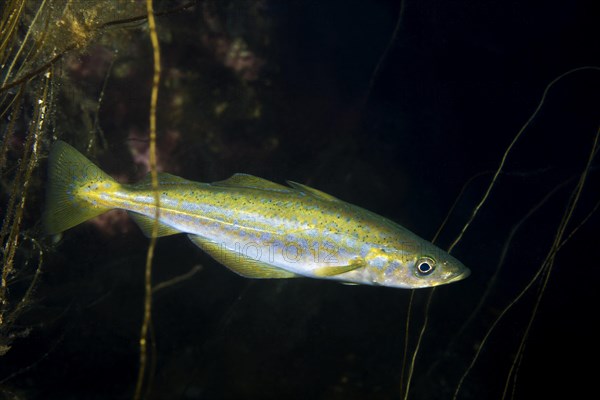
(426, 266)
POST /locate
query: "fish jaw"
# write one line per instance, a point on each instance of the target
(401, 269)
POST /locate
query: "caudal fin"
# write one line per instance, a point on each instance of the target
(72, 182)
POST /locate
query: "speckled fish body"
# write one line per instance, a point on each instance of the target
(255, 227)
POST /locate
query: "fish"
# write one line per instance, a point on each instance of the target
(255, 227)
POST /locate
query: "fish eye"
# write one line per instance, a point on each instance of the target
(425, 266)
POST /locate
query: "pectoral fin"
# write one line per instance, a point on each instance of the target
(240, 263)
(339, 269)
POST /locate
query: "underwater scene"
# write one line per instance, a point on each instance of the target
(383, 199)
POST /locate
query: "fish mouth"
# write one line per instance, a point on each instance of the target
(464, 274)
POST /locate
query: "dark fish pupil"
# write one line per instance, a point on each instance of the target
(424, 268)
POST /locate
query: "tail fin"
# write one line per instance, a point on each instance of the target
(72, 181)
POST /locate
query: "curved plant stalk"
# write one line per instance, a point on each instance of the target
(473, 216)
(512, 373)
(154, 177)
(543, 273)
(406, 339)
(10, 232)
(419, 340)
(509, 148)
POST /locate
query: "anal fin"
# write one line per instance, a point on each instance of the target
(146, 224)
(240, 263)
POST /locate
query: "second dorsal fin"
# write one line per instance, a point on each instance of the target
(251, 181)
(314, 192)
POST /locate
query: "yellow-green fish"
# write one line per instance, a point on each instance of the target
(256, 228)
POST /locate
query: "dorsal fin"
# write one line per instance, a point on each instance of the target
(164, 177)
(251, 181)
(314, 192)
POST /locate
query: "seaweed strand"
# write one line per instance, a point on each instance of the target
(154, 177)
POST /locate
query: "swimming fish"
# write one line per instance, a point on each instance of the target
(254, 227)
